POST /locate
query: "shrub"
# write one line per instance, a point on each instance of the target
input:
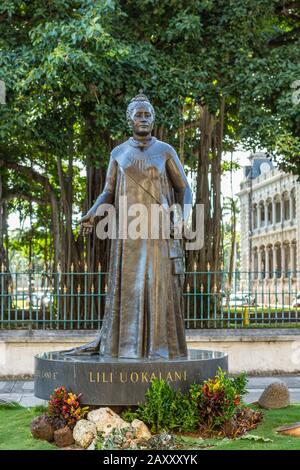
(218, 399)
(165, 409)
(64, 408)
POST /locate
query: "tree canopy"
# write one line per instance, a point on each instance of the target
(218, 72)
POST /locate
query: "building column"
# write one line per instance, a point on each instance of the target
(282, 210)
(267, 258)
(258, 216)
(252, 263)
(294, 259)
(288, 259)
(266, 214)
(293, 204)
(273, 212)
(282, 260)
(274, 261)
(259, 267)
(290, 208)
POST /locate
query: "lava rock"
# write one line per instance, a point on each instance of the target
(63, 437)
(42, 428)
(276, 395)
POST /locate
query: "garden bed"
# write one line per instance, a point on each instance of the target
(15, 432)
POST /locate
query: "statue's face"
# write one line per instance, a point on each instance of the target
(142, 120)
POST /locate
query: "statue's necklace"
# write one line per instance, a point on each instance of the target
(142, 144)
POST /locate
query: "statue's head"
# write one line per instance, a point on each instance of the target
(140, 115)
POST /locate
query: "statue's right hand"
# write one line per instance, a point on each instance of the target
(87, 223)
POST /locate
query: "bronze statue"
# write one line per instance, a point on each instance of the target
(144, 303)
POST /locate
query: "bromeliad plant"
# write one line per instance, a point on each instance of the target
(218, 399)
(64, 407)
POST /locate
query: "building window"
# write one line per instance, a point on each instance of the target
(262, 214)
(263, 263)
(270, 213)
(270, 267)
(278, 262)
(286, 207)
(255, 216)
(287, 260)
(278, 211)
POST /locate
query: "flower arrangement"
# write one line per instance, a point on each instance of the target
(64, 407)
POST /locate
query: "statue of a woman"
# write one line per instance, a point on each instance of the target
(144, 308)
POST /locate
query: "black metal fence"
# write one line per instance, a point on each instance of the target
(41, 300)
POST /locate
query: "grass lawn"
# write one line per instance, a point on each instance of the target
(15, 433)
(14, 429)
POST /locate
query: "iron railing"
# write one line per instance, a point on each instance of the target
(72, 300)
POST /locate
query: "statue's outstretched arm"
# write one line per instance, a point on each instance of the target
(180, 183)
(108, 194)
(106, 197)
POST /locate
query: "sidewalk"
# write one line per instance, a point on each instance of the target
(22, 391)
(19, 391)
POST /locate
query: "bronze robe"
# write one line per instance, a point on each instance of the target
(144, 304)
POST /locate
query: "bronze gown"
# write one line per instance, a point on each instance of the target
(144, 304)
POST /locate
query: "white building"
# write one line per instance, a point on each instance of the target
(270, 228)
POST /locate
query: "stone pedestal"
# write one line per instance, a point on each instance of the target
(115, 382)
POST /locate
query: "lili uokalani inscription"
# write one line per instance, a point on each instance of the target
(136, 377)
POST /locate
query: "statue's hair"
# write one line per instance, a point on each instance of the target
(138, 99)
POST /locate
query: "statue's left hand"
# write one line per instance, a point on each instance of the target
(87, 224)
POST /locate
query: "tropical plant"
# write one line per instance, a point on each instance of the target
(218, 399)
(165, 409)
(64, 408)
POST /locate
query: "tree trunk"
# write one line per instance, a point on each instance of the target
(44, 181)
(69, 245)
(216, 191)
(207, 260)
(233, 242)
(5, 277)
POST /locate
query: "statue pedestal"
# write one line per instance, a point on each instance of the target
(115, 381)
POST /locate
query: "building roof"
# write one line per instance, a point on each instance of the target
(259, 165)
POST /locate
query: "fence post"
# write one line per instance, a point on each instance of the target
(246, 316)
(58, 297)
(188, 304)
(30, 294)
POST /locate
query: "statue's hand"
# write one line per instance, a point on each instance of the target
(87, 223)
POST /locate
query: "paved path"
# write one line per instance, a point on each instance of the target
(22, 391)
(19, 391)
